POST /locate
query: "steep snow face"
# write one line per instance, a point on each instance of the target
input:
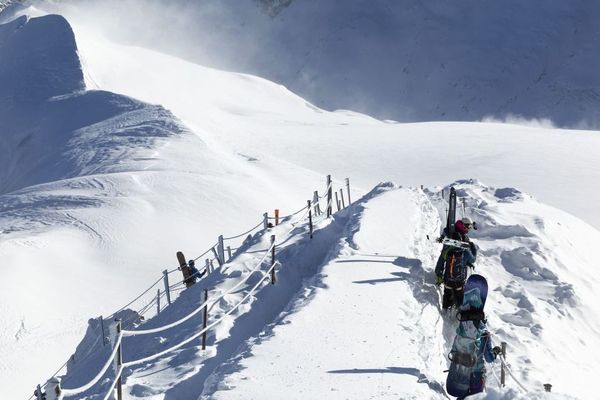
(401, 60)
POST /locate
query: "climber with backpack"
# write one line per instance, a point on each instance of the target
(453, 263)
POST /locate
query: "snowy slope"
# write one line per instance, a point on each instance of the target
(93, 181)
(405, 60)
(355, 314)
(120, 185)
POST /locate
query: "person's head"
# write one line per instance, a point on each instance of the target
(460, 227)
(467, 222)
(191, 263)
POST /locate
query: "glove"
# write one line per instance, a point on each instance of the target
(440, 239)
(439, 280)
(497, 350)
(472, 266)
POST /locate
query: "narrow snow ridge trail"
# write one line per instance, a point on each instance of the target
(371, 302)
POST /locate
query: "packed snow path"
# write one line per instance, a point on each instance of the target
(345, 336)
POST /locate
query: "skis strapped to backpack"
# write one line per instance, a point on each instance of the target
(450, 229)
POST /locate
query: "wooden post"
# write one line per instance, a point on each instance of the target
(265, 221)
(103, 336)
(221, 248)
(185, 269)
(329, 196)
(547, 387)
(502, 371)
(310, 225)
(166, 281)
(158, 301)
(276, 216)
(342, 196)
(228, 253)
(348, 188)
(119, 363)
(38, 392)
(273, 259)
(337, 201)
(205, 319)
(207, 266)
(316, 203)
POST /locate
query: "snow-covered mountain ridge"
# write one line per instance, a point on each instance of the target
(403, 60)
(368, 273)
(160, 154)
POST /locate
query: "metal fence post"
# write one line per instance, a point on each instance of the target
(265, 220)
(167, 289)
(276, 216)
(273, 259)
(228, 253)
(348, 188)
(205, 318)
(119, 363)
(221, 248)
(310, 225)
(342, 196)
(337, 201)
(207, 266)
(158, 301)
(329, 196)
(316, 203)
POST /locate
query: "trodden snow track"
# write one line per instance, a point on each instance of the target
(372, 300)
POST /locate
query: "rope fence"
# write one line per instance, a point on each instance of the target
(54, 391)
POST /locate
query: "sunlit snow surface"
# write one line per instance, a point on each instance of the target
(125, 184)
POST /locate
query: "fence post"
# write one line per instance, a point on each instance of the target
(265, 220)
(158, 301)
(342, 196)
(348, 188)
(316, 203)
(166, 281)
(464, 210)
(221, 248)
(38, 392)
(103, 336)
(273, 260)
(205, 319)
(337, 201)
(329, 196)
(207, 266)
(228, 253)
(502, 371)
(276, 216)
(310, 225)
(119, 363)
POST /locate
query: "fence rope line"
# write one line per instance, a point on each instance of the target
(90, 384)
(112, 386)
(198, 334)
(136, 299)
(144, 309)
(245, 233)
(200, 308)
(503, 360)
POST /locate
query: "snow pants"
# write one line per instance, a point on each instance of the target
(452, 296)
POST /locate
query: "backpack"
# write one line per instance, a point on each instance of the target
(455, 271)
